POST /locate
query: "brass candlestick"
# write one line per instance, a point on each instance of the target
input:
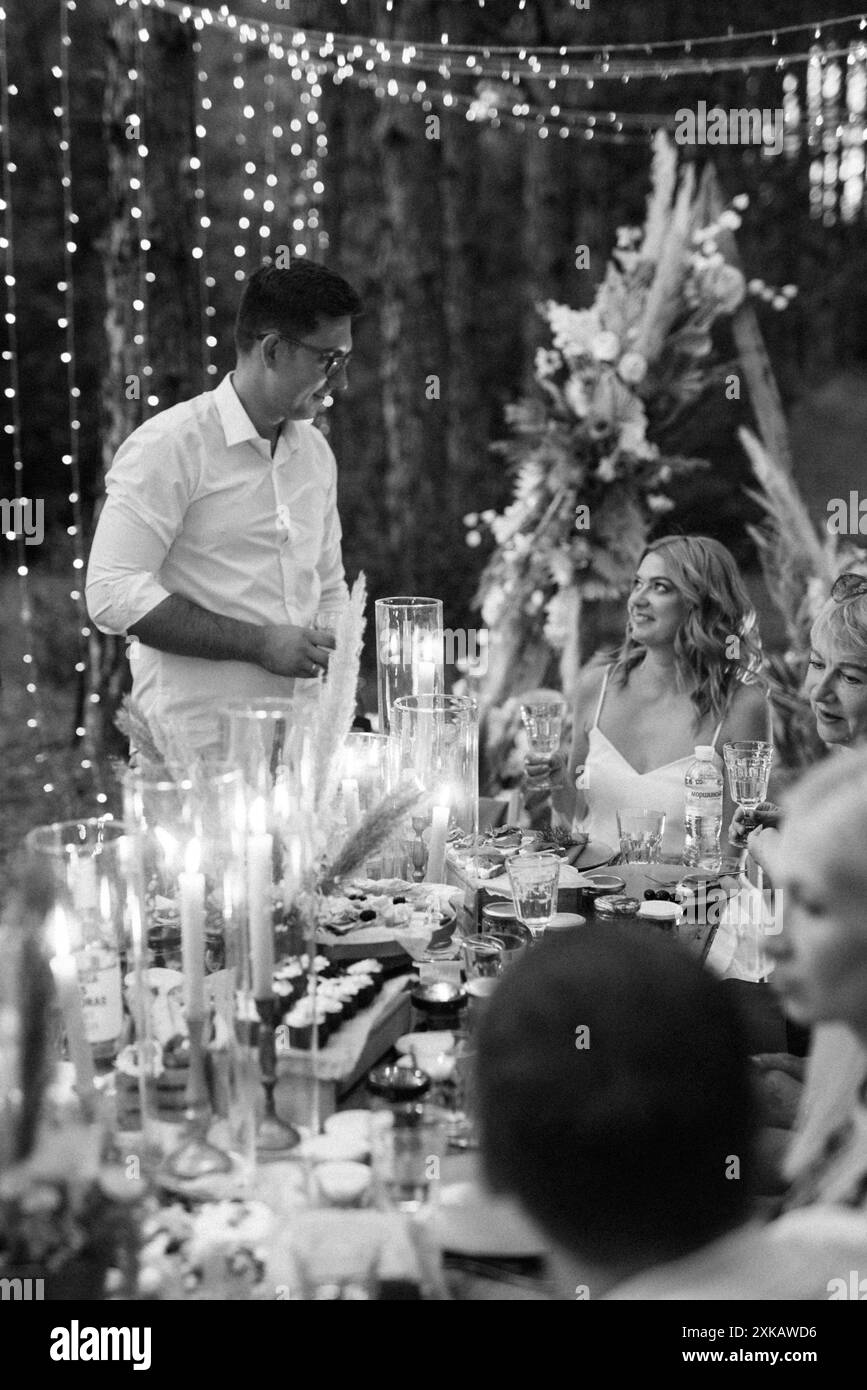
(196, 1157)
(274, 1137)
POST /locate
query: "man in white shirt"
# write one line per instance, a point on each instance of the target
(220, 539)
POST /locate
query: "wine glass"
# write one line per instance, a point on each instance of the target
(748, 767)
(543, 721)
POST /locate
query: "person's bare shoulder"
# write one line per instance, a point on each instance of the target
(588, 686)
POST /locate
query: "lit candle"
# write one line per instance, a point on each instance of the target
(84, 889)
(282, 800)
(65, 973)
(425, 674)
(436, 858)
(351, 806)
(192, 893)
(259, 851)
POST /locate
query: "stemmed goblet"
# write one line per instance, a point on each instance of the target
(543, 721)
(748, 767)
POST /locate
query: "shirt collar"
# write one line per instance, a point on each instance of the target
(237, 425)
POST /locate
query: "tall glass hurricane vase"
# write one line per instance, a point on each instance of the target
(435, 744)
(409, 651)
(191, 992)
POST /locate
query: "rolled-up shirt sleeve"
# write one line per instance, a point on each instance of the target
(148, 489)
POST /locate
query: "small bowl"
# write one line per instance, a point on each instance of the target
(354, 1123)
(439, 997)
(665, 915)
(410, 1043)
(348, 1147)
(343, 1184)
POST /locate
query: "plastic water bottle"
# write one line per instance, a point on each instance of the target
(702, 809)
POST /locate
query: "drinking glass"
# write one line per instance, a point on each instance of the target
(461, 1098)
(640, 832)
(543, 721)
(748, 767)
(534, 879)
(407, 1154)
(483, 956)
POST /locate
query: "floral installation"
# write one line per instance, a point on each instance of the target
(591, 478)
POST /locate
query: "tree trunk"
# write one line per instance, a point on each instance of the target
(173, 336)
(415, 364)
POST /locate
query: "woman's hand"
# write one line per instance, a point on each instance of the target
(763, 846)
(765, 816)
(545, 772)
(779, 1081)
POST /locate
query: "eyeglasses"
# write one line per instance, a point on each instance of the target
(847, 586)
(333, 360)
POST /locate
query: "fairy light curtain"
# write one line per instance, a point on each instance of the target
(823, 101)
(34, 716)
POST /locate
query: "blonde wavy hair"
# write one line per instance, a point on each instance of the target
(719, 609)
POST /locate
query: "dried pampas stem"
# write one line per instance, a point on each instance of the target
(375, 830)
(338, 698)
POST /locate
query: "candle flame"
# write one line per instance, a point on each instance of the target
(167, 843)
(104, 899)
(258, 819)
(281, 800)
(59, 934)
(193, 856)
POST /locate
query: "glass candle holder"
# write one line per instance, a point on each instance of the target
(409, 651)
(364, 781)
(435, 745)
(273, 745)
(85, 862)
(190, 988)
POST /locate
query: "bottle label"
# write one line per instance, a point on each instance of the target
(703, 798)
(101, 994)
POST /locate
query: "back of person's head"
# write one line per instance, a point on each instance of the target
(292, 299)
(630, 1142)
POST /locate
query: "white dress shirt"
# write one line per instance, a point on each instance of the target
(196, 505)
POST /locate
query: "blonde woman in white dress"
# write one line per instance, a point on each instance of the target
(687, 673)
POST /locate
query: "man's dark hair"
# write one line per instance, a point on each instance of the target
(621, 1150)
(292, 299)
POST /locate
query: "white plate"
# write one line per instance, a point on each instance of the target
(425, 1042)
(468, 1221)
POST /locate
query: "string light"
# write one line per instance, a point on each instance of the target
(66, 286)
(852, 164)
(241, 247)
(138, 213)
(202, 108)
(35, 719)
(267, 217)
(657, 60)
